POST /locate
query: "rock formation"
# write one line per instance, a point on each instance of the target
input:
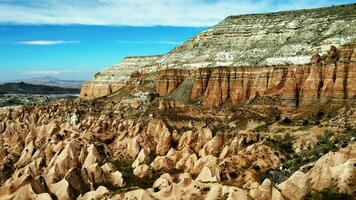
(282, 38)
(115, 77)
(318, 82)
(159, 138)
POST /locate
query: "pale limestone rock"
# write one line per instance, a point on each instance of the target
(263, 192)
(26, 155)
(92, 157)
(26, 192)
(159, 131)
(184, 180)
(214, 192)
(276, 194)
(133, 147)
(235, 193)
(198, 165)
(212, 147)
(224, 153)
(142, 158)
(141, 170)
(117, 179)
(335, 169)
(163, 183)
(204, 135)
(164, 143)
(139, 194)
(184, 155)
(108, 168)
(62, 162)
(99, 193)
(295, 187)
(95, 173)
(161, 163)
(207, 175)
(61, 190)
(185, 140)
(266, 192)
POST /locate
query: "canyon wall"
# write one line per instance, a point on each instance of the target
(328, 77)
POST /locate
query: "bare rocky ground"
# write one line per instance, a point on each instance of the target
(124, 146)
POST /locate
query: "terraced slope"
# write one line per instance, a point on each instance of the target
(267, 39)
(281, 38)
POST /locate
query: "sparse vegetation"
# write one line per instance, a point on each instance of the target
(262, 128)
(328, 194)
(329, 142)
(182, 92)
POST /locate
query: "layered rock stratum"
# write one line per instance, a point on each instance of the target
(282, 38)
(330, 77)
(115, 77)
(147, 129)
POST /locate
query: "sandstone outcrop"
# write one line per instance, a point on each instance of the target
(266, 192)
(324, 79)
(44, 155)
(335, 169)
(95, 89)
(117, 76)
(296, 187)
(273, 39)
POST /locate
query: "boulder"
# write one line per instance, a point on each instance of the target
(295, 187)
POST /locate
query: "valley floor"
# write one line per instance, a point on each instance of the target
(115, 148)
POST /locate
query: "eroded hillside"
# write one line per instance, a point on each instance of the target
(126, 147)
(283, 39)
(196, 124)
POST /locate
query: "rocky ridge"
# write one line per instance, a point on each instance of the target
(289, 37)
(116, 76)
(283, 38)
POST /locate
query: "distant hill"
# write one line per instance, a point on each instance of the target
(25, 88)
(51, 81)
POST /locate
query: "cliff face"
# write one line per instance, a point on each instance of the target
(113, 78)
(284, 39)
(330, 77)
(95, 89)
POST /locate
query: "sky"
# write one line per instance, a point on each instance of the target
(73, 39)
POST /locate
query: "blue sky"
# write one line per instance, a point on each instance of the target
(78, 51)
(72, 39)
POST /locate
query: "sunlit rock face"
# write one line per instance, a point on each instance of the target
(324, 78)
(266, 39)
(115, 77)
(257, 40)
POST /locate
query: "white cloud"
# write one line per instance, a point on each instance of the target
(148, 42)
(49, 72)
(47, 42)
(140, 12)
